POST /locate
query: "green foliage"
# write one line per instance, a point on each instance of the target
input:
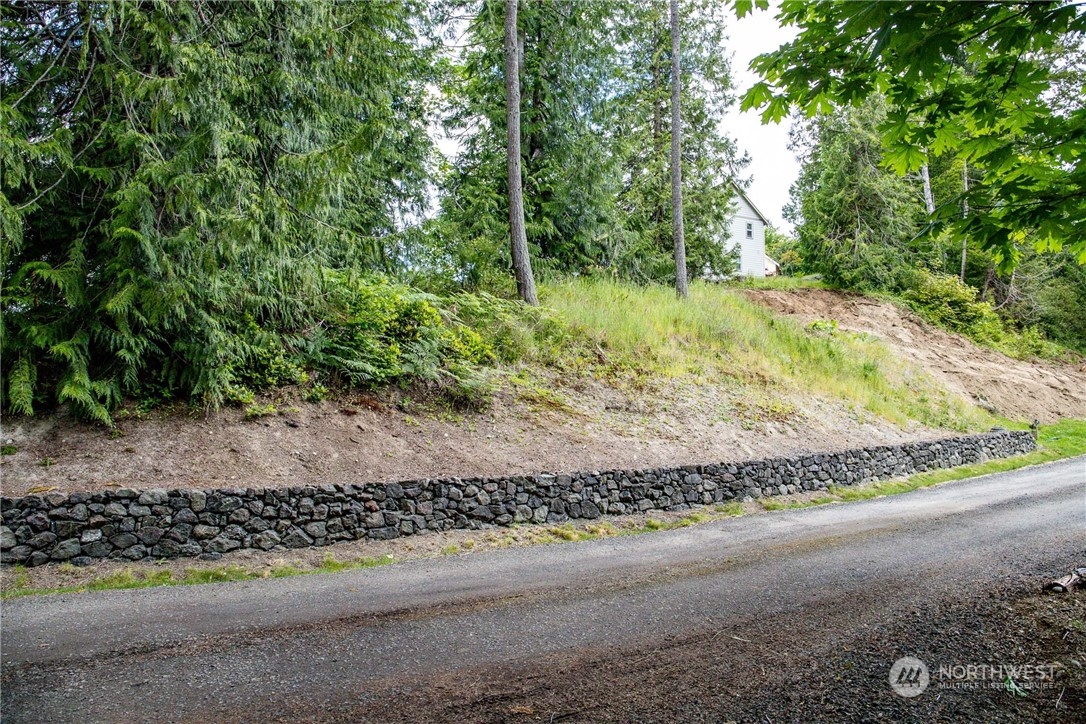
(595, 124)
(947, 303)
(1047, 294)
(507, 331)
(999, 85)
(645, 333)
(568, 174)
(855, 221)
(316, 393)
(640, 128)
(176, 177)
(858, 226)
(377, 333)
(255, 412)
(823, 325)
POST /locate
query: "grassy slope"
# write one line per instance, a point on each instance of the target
(719, 335)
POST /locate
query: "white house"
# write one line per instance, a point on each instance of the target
(748, 233)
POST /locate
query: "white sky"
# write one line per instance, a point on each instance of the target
(772, 165)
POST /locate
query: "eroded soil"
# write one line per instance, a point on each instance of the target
(373, 439)
(1024, 390)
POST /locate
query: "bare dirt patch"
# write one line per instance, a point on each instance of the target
(1023, 390)
(364, 438)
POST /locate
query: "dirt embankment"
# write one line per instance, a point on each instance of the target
(557, 425)
(1017, 389)
(366, 439)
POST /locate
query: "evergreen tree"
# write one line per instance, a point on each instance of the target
(522, 263)
(640, 133)
(568, 175)
(855, 219)
(178, 174)
(676, 157)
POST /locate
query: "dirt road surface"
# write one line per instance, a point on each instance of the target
(794, 616)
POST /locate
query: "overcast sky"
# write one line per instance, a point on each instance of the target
(773, 166)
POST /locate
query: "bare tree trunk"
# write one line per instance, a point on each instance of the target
(658, 203)
(965, 212)
(929, 198)
(676, 159)
(522, 264)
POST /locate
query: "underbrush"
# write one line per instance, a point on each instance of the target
(460, 349)
(947, 303)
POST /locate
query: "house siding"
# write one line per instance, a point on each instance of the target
(751, 251)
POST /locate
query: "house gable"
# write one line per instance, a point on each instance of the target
(748, 233)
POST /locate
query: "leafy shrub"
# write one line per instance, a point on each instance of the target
(376, 332)
(506, 331)
(946, 302)
(255, 412)
(823, 325)
(469, 388)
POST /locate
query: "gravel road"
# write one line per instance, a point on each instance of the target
(797, 615)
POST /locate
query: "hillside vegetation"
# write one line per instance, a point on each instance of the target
(717, 333)
(202, 202)
(459, 350)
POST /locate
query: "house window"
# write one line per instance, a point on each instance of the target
(750, 231)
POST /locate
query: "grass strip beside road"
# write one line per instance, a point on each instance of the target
(1065, 439)
(142, 576)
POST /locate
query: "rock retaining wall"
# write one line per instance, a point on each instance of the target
(123, 523)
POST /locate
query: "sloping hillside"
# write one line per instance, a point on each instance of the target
(644, 381)
(1017, 389)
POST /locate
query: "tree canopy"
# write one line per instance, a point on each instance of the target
(977, 80)
(193, 190)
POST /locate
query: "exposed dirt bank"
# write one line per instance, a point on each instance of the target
(366, 439)
(1017, 389)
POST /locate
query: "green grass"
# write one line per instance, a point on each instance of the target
(780, 282)
(129, 578)
(646, 333)
(732, 509)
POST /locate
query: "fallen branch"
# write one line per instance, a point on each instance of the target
(1065, 584)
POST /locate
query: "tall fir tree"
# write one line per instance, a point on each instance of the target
(178, 174)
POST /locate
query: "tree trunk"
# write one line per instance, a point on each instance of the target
(965, 213)
(676, 158)
(929, 199)
(522, 264)
(658, 203)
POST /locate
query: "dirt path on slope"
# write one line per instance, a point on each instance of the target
(1017, 389)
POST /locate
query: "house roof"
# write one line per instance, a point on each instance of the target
(750, 203)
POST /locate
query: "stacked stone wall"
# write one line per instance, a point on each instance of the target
(130, 524)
